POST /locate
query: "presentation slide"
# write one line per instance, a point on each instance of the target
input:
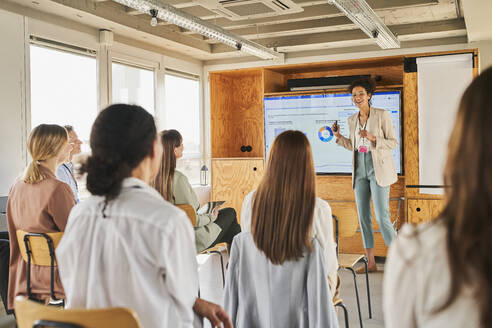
(315, 114)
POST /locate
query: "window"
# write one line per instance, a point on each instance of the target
(182, 113)
(133, 85)
(63, 90)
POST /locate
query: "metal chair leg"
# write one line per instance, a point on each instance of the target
(345, 313)
(368, 290)
(356, 295)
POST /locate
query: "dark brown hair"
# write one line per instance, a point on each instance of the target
(163, 182)
(468, 211)
(121, 137)
(365, 83)
(283, 205)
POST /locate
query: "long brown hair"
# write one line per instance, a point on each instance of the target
(468, 211)
(45, 141)
(283, 204)
(163, 182)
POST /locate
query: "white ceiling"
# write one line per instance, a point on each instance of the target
(306, 26)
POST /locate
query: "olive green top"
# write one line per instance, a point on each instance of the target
(206, 231)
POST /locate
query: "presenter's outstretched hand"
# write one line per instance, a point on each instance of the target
(337, 132)
(214, 313)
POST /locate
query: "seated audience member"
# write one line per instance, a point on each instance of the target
(277, 275)
(125, 246)
(217, 227)
(38, 202)
(65, 171)
(288, 173)
(439, 274)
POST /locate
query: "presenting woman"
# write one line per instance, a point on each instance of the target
(211, 229)
(38, 202)
(371, 139)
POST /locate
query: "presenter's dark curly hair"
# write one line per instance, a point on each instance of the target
(121, 137)
(365, 83)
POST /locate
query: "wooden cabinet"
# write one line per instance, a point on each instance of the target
(423, 210)
(238, 142)
(233, 179)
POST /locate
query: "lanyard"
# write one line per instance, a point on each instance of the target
(73, 177)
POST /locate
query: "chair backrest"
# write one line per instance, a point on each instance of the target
(28, 312)
(190, 211)
(347, 219)
(38, 244)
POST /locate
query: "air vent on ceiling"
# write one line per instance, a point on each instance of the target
(248, 9)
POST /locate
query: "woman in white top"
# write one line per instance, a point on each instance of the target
(125, 246)
(439, 274)
(287, 193)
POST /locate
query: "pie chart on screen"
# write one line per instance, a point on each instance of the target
(325, 134)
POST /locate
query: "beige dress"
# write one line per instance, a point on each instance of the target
(41, 207)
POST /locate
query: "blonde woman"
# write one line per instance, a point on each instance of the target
(38, 202)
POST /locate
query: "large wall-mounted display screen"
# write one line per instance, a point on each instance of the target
(315, 114)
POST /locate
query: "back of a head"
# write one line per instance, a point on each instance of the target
(163, 182)
(45, 141)
(467, 214)
(283, 205)
(121, 137)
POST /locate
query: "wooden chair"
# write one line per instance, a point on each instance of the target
(31, 314)
(39, 249)
(339, 302)
(217, 249)
(346, 226)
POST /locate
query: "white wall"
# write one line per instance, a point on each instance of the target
(484, 52)
(12, 103)
(16, 25)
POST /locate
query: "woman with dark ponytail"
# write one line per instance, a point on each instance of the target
(126, 246)
(439, 274)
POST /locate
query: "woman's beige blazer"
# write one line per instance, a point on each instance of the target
(379, 125)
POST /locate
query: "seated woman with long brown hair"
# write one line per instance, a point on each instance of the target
(38, 202)
(220, 226)
(287, 251)
(439, 274)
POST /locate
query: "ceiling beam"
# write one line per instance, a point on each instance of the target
(115, 12)
(449, 28)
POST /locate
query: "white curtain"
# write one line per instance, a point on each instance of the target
(441, 83)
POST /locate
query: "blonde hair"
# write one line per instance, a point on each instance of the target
(45, 141)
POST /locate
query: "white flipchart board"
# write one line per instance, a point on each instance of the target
(441, 83)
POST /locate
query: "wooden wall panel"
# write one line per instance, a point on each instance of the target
(423, 210)
(236, 103)
(220, 113)
(247, 123)
(336, 187)
(233, 179)
(354, 244)
(273, 81)
(390, 75)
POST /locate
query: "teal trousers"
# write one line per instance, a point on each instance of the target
(365, 187)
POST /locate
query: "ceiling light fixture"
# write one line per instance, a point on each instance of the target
(359, 12)
(153, 20)
(180, 18)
